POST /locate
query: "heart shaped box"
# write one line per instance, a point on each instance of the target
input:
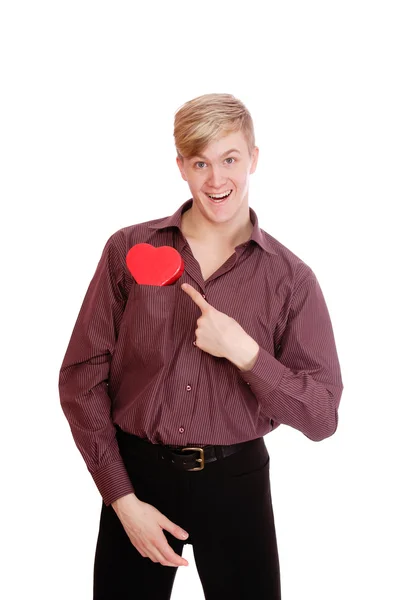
(154, 266)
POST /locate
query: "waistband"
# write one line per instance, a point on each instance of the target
(190, 457)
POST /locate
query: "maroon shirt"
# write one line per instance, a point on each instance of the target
(131, 358)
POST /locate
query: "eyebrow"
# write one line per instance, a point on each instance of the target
(224, 154)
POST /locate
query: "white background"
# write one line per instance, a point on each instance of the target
(88, 94)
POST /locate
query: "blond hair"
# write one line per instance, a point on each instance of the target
(207, 118)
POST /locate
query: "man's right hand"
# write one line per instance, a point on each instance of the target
(144, 526)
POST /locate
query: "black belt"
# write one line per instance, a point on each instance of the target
(187, 458)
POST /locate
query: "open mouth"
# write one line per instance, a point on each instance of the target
(219, 198)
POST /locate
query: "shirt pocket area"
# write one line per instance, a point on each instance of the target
(150, 320)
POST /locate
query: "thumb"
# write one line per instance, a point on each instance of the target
(176, 531)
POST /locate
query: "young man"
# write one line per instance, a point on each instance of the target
(170, 390)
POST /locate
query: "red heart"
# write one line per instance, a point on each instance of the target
(154, 266)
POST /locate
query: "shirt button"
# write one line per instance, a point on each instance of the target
(203, 295)
(181, 430)
(188, 387)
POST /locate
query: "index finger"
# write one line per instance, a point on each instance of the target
(195, 296)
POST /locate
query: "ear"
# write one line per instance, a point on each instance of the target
(254, 159)
(179, 162)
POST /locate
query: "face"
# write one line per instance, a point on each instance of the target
(223, 167)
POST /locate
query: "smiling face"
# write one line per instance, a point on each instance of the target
(218, 178)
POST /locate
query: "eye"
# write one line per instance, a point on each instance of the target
(232, 159)
(200, 163)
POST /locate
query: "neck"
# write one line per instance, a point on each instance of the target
(230, 234)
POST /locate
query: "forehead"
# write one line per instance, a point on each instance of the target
(223, 145)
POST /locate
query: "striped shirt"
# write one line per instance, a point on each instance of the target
(131, 360)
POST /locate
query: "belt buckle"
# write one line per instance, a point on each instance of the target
(200, 460)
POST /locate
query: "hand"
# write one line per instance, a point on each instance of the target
(216, 333)
(144, 526)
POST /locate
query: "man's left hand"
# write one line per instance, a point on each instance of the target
(220, 335)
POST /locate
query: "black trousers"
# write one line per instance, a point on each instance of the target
(226, 508)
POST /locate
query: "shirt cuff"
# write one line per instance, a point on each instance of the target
(113, 482)
(265, 375)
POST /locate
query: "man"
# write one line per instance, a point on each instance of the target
(170, 390)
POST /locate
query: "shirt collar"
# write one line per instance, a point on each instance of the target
(175, 221)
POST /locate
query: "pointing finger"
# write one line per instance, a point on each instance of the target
(195, 296)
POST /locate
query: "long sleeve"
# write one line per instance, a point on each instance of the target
(303, 386)
(84, 376)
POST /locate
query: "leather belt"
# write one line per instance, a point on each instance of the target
(193, 458)
(187, 458)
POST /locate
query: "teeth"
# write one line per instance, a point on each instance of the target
(218, 196)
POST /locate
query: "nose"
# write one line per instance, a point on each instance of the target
(216, 179)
